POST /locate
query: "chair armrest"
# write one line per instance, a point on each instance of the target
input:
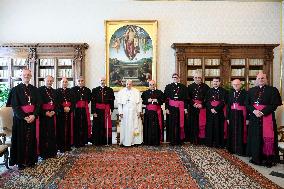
(280, 131)
(2, 141)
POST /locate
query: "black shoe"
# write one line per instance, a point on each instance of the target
(31, 165)
(254, 162)
(269, 164)
(21, 167)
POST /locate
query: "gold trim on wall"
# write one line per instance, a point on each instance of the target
(281, 49)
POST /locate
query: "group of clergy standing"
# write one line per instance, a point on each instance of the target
(48, 120)
(241, 121)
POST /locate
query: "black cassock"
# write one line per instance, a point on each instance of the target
(256, 142)
(82, 122)
(102, 104)
(47, 125)
(237, 116)
(214, 130)
(196, 131)
(153, 131)
(64, 123)
(24, 142)
(174, 128)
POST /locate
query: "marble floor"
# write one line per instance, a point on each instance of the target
(267, 171)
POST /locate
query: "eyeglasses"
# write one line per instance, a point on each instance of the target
(175, 77)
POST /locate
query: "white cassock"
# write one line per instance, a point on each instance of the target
(130, 105)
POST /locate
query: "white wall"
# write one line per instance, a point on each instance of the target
(181, 21)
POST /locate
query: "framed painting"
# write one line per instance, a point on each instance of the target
(131, 50)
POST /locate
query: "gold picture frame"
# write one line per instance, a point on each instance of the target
(131, 52)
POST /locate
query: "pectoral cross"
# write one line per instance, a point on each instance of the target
(29, 100)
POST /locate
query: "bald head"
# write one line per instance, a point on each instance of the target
(48, 80)
(261, 79)
(152, 85)
(64, 82)
(80, 81)
(26, 76)
(236, 83)
(103, 81)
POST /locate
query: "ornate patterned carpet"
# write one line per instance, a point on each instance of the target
(138, 167)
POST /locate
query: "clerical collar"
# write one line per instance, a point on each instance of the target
(26, 84)
(215, 87)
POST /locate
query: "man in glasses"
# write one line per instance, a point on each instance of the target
(262, 141)
(153, 117)
(82, 122)
(176, 103)
(101, 108)
(197, 111)
(47, 119)
(237, 119)
(65, 116)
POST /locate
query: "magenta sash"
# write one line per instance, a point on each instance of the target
(68, 104)
(216, 103)
(107, 117)
(84, 104)
(202, 120)
(48, 106)
(236, 106)
(267, 132)
(81, 104)
(157, 108)
(180, 105)
(30, 109)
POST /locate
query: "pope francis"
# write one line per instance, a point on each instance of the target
(129, 109)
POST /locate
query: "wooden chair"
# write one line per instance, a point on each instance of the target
(280, 131)
(6, 122)
(4, 150)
